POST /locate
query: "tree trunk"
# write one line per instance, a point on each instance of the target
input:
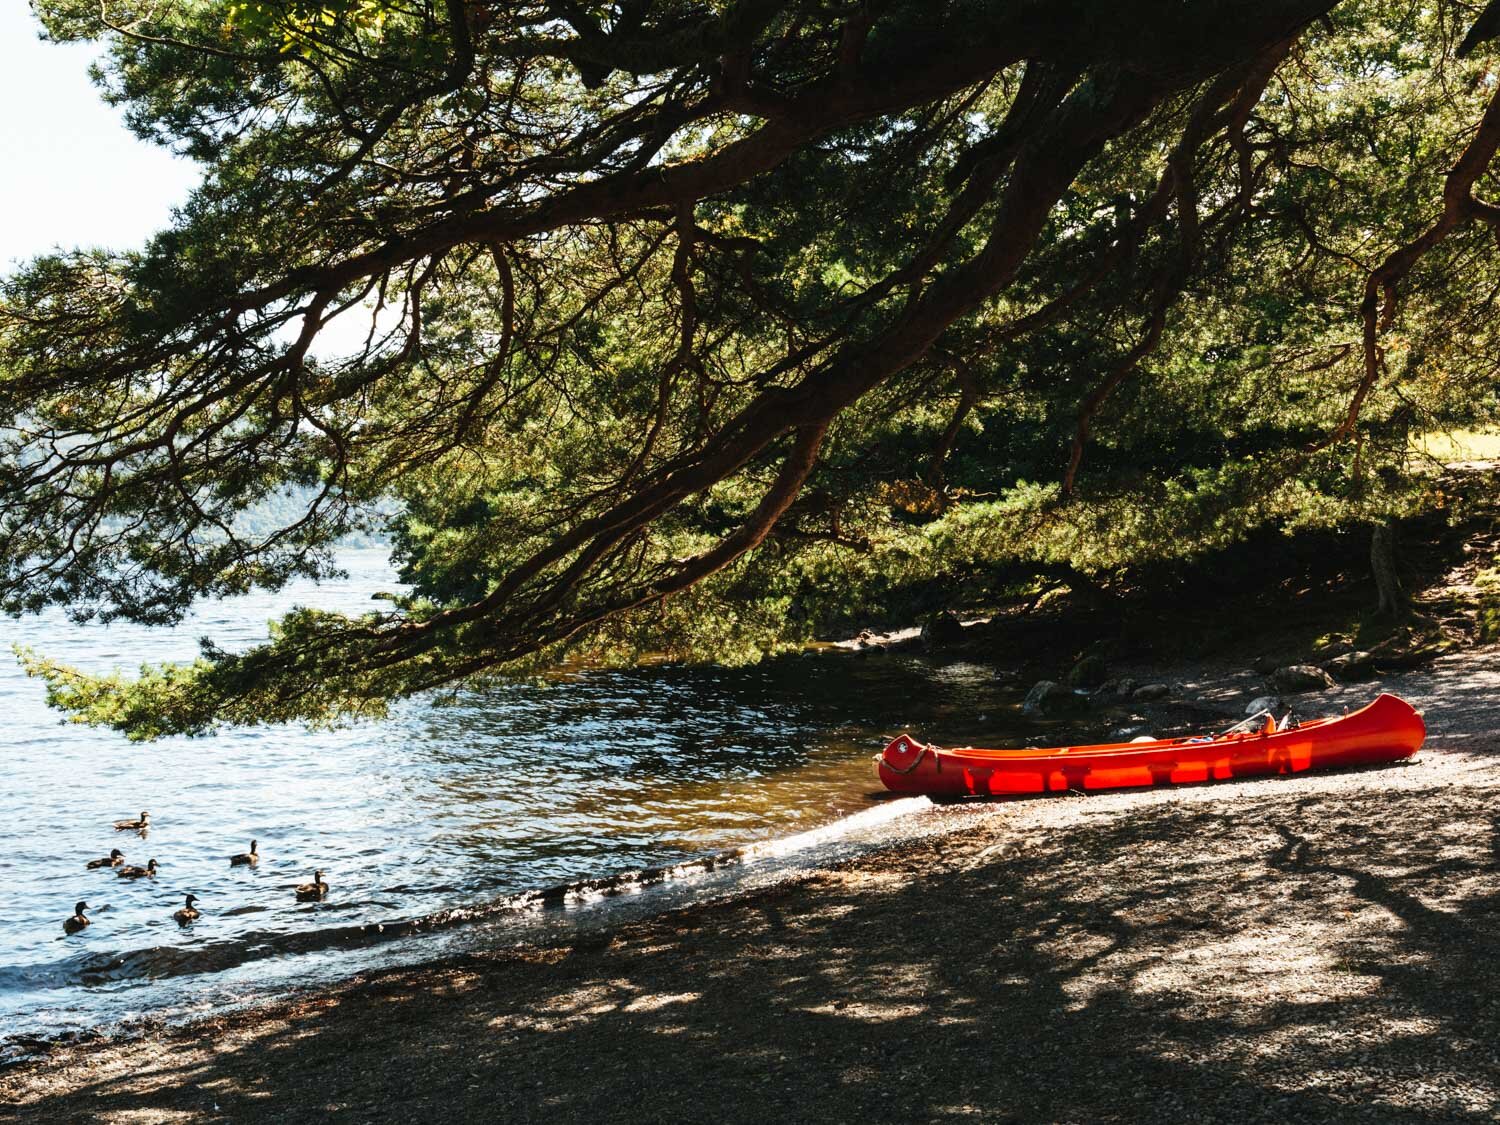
(1392, 598)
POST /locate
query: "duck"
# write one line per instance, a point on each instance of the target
(188, 913)
(312, 892)
(78, 921)
(113, 859)
(134, 825)
(250, 858)
(139, 872)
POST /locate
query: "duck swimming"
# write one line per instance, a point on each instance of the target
(312, 892)
(134, 825)
(113, 859)
(188, 913)
(250, 858)
(78, 921)
(138, 872)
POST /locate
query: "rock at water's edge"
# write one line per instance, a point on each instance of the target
(1048, 697)
(941, 630)
(1089, 672)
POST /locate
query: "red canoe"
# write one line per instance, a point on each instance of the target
(1385, 731)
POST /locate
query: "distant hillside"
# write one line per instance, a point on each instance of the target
(287, 507)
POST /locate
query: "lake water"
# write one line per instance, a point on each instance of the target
(430, 827)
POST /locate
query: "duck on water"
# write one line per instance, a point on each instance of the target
(134, 825)
(314, 891)
(246, 859)
(139, 872)
(78, 921)
(188, 913)
(113, 859)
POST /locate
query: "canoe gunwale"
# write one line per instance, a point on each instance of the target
(1041, 753)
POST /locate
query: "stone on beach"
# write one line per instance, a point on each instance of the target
(1357, 665)
(1296, 678)
(1261, 703)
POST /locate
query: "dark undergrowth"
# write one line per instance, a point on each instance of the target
(1277, 598)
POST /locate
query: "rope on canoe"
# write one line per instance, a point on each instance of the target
(917, 761)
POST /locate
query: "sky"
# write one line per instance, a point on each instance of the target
(71, 173)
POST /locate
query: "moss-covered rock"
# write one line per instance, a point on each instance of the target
(1090, 672)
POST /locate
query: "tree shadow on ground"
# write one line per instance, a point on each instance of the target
(1186, 961)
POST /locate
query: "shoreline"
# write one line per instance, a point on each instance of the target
(1310, 947)
(560, 908)
(550, 914)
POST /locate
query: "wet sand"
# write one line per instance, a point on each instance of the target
(1317, 948)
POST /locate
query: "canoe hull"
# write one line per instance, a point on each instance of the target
(1387, 730)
